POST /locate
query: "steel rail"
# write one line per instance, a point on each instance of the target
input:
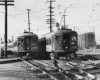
(82, 72)
(53, 74)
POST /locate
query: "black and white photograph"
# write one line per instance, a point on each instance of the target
(49, 39)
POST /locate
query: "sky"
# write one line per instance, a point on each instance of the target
(81, 15)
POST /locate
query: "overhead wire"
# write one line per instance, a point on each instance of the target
(91, 15)
(32, 12)
(18, 18)
(19, 9)
(67, 8)
(43, 10)
(85, 22)
(34, 4)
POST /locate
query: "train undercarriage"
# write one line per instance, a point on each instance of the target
(68, 56)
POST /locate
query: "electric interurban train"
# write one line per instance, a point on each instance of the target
(61, 43)
(25, 44)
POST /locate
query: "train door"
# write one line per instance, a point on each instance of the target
(66, 42)
(34, 44)
(73, 42)
(58, 40)
(20, 46)
(27, 43)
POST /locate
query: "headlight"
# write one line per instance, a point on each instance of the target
(66, 47)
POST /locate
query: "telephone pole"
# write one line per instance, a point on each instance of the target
(51, 20)
(6, 29)
(29, 19)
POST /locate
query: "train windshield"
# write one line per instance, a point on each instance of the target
(73, 39)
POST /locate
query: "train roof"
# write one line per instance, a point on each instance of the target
(65, 31)
(68, 31)
(26, 34)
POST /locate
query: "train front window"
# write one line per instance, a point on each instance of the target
(74, 38)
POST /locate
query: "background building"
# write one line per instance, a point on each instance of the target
(86, 40)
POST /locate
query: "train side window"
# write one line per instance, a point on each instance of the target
(58, 38)
(20, 41)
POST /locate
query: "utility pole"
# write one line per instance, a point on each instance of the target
(6, 10)
(29, 19)
(51, 20)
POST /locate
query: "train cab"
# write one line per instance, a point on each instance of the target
(27, 43)
(61, 43)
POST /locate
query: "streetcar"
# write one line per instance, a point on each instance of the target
(61, 43)
(25, 44)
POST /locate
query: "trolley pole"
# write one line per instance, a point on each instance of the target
(6, 30)
(64, 18)
(29, 19)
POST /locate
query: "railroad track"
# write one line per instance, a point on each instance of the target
(90, 57)
(74, 73)
(87, 63)
(49, 70)
(86, 58)
(76, 70)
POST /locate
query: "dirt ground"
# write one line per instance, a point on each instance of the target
(18, 71)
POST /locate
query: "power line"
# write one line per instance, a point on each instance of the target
(18, 18)
(84, 22)
(67, 8)
(31, 12)
(34, 4)
(19, 9)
